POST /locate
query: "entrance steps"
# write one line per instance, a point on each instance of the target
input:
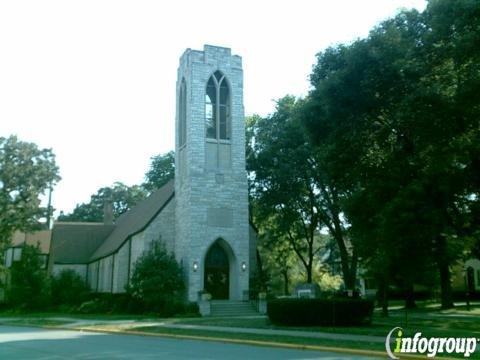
(230, 308)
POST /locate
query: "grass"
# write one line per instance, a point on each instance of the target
(428, 320)
(46, 315)
(34, 322)
(358, 345)
(430, 324)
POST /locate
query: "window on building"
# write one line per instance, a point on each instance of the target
(182, 112)
(217, 108)
(17, 254)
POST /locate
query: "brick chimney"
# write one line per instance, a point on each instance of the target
(108, 213)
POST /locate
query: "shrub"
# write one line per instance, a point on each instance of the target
(68, 289)
(191, 309)
(108, 303)
(323, 312)
(157, 281)
(30, 287)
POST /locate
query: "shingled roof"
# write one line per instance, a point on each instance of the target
(82, 242)
(75, 242)
(135, 220)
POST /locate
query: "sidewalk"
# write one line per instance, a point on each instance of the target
(372, 346)
(294, 333)
(128, 325)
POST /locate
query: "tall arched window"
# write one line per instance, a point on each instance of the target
(182, 112)
(217, 107)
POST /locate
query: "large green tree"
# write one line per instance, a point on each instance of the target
(161, 171)
(289, 193)
(396, 117)
(26, 172)
(120, 196)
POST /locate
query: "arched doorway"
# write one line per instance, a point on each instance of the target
(217, 272)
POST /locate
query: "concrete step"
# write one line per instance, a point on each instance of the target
(243, 306)
(232, 308)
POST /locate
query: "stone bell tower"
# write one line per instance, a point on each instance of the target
(212, 223)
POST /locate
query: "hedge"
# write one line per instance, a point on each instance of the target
(322, 312)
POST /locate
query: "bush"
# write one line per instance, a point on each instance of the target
(30, 286)
(68, 289)
(108, 303)
(323, 312)
(157, 281)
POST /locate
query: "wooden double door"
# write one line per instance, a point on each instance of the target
(217, 273)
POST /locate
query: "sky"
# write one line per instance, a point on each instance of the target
(95, 80)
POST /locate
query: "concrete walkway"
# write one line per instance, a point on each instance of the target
(135, 325)
(293, 333)
(24, 343)
(119, 325)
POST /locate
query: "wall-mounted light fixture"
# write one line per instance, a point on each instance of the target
(244, 266)
(195, 266)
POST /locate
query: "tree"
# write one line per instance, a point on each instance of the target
(289, 192)
(395, 117)
(157, 280)
(29, 286)
(283, 191)
(120, 196)
(279, 258)
(162, 170)
(26, 172)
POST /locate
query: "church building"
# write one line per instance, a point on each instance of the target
(201, 216)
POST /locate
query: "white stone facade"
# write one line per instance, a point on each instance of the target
(211, 201)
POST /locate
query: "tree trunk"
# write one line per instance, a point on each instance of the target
(285, 283)
(347, 262)
(444, 270)
(350, 274)
(383, 296)
(445, 286)
(309, 273)
(409, 296)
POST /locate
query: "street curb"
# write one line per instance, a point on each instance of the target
(262, 343)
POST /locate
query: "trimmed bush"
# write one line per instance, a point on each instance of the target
(320, 312)
(68, 289)
(107, 303)
(157, 281)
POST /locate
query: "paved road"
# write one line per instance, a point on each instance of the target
(34, 343)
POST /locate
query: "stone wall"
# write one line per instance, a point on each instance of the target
(202, 191)
(92, 272)
(253, 250)
(120, 268)
(105, 273)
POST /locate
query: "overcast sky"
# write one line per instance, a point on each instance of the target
(95, 80)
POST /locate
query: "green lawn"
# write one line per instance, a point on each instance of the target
(46, 315)
(429, 323)
(357, 345)
(457, 322)
(34, 322)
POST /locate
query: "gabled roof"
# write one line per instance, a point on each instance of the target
(75, 242)
(83, 242)
(39, 237)
(135, 220)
